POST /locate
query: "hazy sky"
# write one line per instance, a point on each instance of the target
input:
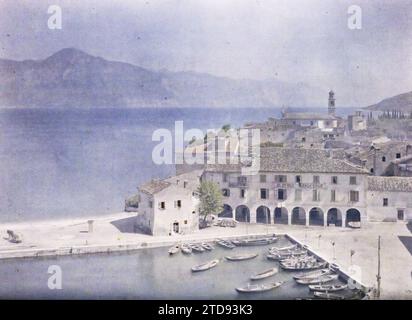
(294, 41)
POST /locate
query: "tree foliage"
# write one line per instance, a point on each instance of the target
(210, 198)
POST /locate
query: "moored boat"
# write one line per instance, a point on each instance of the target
(249, 288)
(285, 248)
(242, 257)
(225, 244)
(196, 247)
(328, 296)
(278, 257)
(186, 248)
(264, 274)
(207, 246)
(255, 241)
(301, 266)
(205, 266)
(321, 279)
(312, 274)
(174, 249)
(327, 287)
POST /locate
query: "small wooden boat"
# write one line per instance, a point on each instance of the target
(278, 257)
(197, 248)
(286, 248)
(174, 249)
(242, 257)
(321, 279)
(225, 244)
(186, 248)
(312, 274)
(205, 266)
(289, 252)
(207, 246)
(264, 274)
(328, 296)
(255, 241)
(327, 287)
(249, 288)
(302, 266)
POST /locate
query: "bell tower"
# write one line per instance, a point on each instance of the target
(331, 104)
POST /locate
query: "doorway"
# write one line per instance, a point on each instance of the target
(401, 214)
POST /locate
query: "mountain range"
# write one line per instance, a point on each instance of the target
(73, 78)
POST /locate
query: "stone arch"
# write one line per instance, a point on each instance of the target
(280, 215)
(316, 217)
(263, 214)
(227, 212)
(352, 215)
(298, 216)
(334, 216)
(242, 213)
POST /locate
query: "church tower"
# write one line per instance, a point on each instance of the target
(331, 104)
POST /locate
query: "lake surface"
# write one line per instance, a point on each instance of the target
(146, 274)
(72, 163)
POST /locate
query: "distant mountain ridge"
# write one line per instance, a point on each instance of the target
(73, 78)
(401, 102)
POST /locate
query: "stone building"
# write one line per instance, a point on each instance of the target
(293, 186)
(389, 198)
(357, 122)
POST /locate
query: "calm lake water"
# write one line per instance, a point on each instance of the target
(146, 274)
(72, 163)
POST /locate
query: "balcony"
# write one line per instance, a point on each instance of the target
(240, 182)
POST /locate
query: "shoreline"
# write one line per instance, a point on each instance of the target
(115, 234)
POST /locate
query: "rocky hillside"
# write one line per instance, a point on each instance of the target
(402, 102)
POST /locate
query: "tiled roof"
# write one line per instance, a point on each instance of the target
(154, 186)
(390, 184)
(295, 160)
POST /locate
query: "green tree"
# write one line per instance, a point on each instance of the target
(226, 127)
(210, 198)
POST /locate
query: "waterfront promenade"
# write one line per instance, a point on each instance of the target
(115, 233)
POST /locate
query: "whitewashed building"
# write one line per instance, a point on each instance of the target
(168, 207)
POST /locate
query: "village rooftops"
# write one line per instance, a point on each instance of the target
(298, 160)
(307, 116)
(396, 184)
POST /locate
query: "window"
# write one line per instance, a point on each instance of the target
(263, 193)
(298, 195)
(352, 180)
(280, 178)
(162, 205)
(263, 178)
(150, 204)
(178, 203)
(371, 170)
(332, 195)
(353, 196)
(398, 155)
(281, 194)
(316, 179)
(334, 180)
(385, 202)
(226, 192)
(242, 193)
(224, 177)
(383, 159)
(298, 179)
(316, 195)
(185, 221)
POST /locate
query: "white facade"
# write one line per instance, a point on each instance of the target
(170, 209)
